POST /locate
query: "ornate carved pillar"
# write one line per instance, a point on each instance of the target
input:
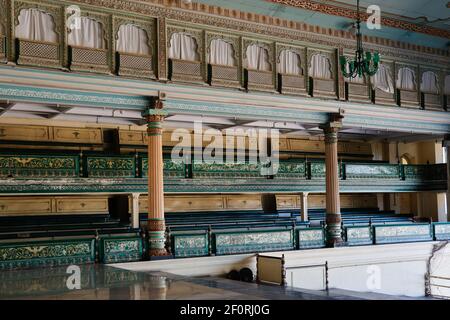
(156, 224)
(304, 205)
(333, 205)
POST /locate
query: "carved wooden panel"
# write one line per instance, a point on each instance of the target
(324, 88)
(287, 202)
(42, 54)
(77, 135)
(3, 48)
(260, 80)
(385, 98)
(189, 71)
(225, 76)
(91, 60)
(14, 206)
(24, 133)
(134, 65)
(82, 205)
(409, 98)
(292, 84)
(193, 203)
(132, 137)
(243, 202)
(36, 53)
(433, 101)
(358, 92)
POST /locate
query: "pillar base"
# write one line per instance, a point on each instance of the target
(336, 243)
(159, 254)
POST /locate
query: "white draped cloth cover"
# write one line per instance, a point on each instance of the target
(257, 58)
(132, 39)
(183, 47)
(289, 63)
(406, 79)
(221, 53)
(36, 25)
(447, 85)
(89, 35)
(320, 67)
(429, 82)
(382, 80)
(356, 79)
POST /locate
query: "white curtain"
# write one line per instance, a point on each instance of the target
(289, 63)
(447, 85)
(183, 47)
(356, 79)
(429, 82)
(406, 79)
(320, 67)
(89, 35)
(36, 25)
(221, 53)
(258, 58)
(383, 79)
(132, 39)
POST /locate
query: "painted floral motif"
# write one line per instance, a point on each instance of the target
(43, 251)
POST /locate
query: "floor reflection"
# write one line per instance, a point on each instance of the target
(100, 282)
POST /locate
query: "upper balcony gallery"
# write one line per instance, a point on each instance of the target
(158, 43)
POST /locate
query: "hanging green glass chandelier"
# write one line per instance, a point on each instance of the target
(364, 63)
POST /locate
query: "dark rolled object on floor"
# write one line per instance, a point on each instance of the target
(246, 275)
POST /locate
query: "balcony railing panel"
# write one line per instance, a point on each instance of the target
(292, 84)
(37, 53)
(90, 60)
(225, 76)
(186, 71)
(135, 65)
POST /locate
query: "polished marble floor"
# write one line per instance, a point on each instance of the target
(99, 282)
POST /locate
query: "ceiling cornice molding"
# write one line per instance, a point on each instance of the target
(235, 19)
(352, 14)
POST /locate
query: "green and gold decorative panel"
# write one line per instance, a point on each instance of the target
(371, 171)
(172, 169)
(356, 236)
(308, 238)
(111, 166)
(441, 230)
(290, 169)
(42, 166)
(402, 233)
(189, 244)
(226, 170)
(252, 241)
(34, 253)
(316, 170)
(120, 249)
(425, 172)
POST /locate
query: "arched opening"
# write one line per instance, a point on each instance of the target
(382, 80)
(221, 53)
(35, 25)
(89, 35)
(320, 67)
(183, 47)
(406, 79)
(258, 58)
(289, 63)
(132, 39)
(429, 83)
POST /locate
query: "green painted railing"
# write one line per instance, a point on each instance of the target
(24, 166)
